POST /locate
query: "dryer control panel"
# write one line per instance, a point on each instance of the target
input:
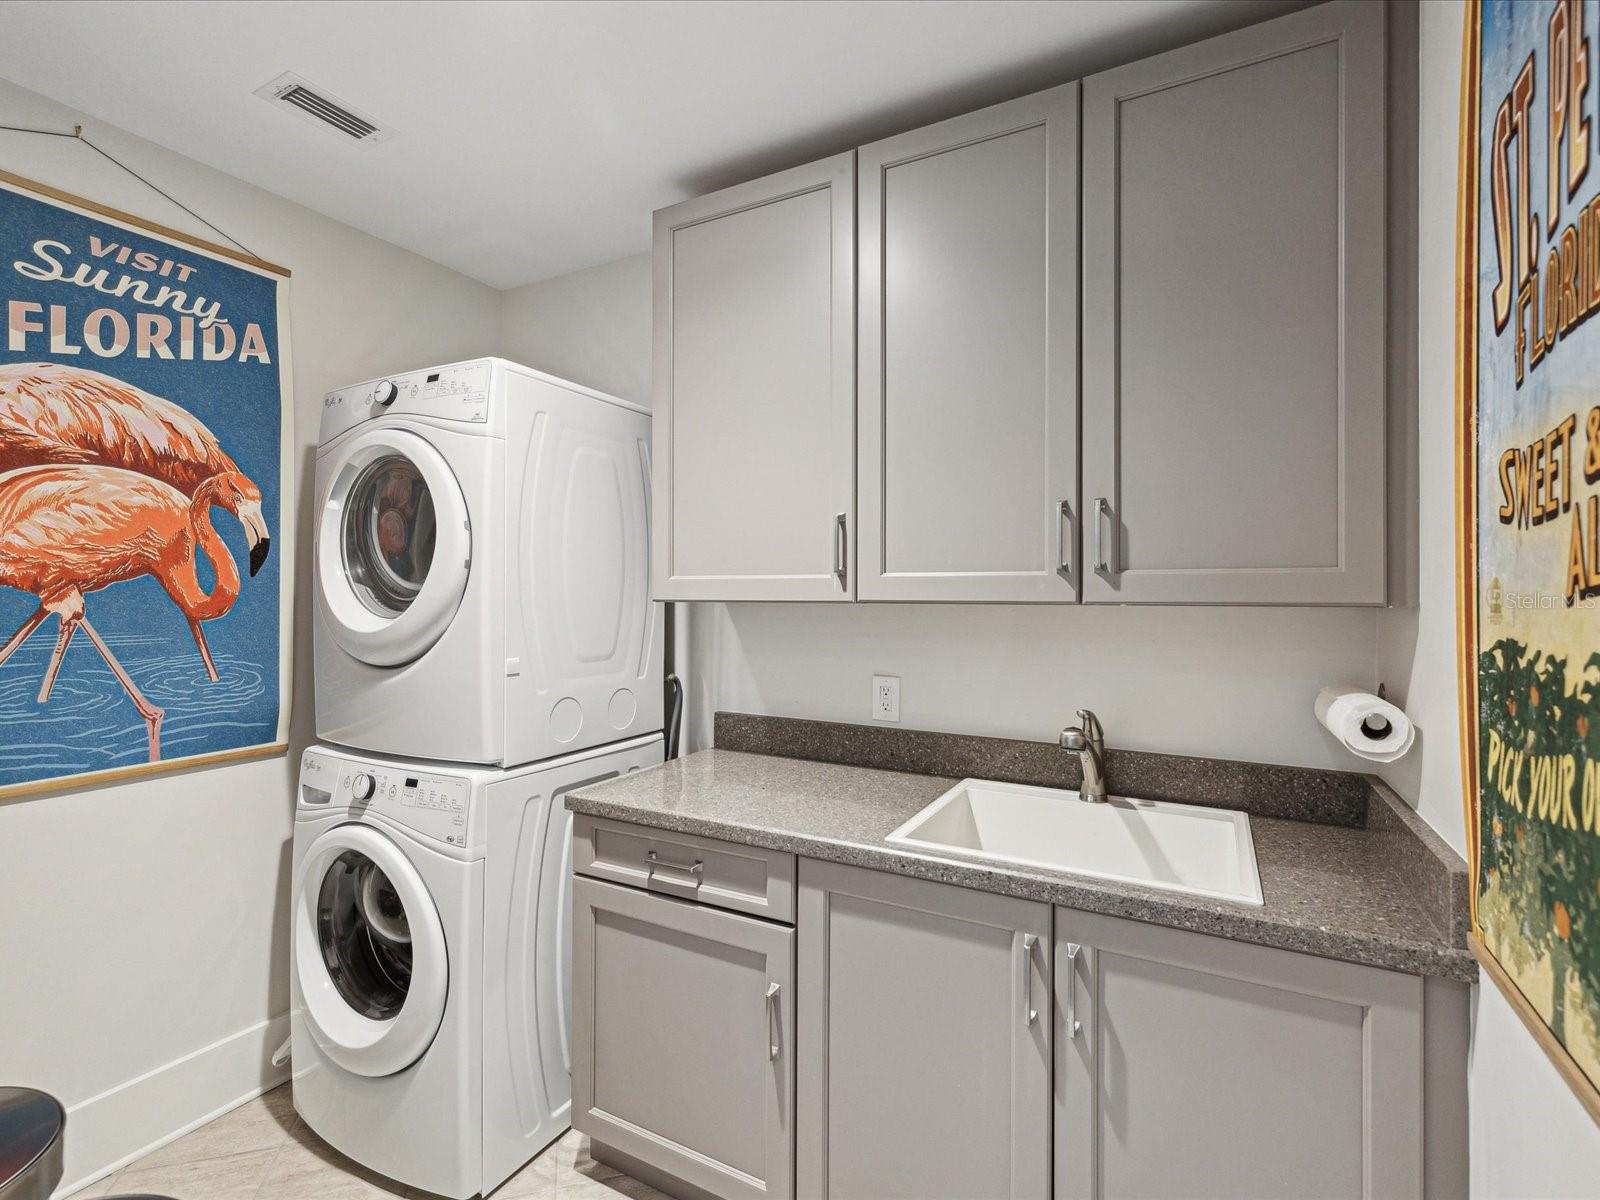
(458, 392)
(434, 805)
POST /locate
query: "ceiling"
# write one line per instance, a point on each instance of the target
(533, 139)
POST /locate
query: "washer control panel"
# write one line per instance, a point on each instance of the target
(435, 805)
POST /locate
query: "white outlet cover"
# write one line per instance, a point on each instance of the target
(886, 697)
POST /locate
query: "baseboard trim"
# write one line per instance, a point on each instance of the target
(124, 1123)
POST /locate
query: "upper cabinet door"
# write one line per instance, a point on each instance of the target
(755, 390)
(968, 413)
(1233, 317)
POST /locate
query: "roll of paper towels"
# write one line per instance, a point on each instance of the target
(1368, 725)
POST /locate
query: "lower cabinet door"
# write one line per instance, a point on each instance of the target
(1193, 1068)
(683, 1039)
(924, 1040)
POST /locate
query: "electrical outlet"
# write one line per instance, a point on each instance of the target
(886, 697)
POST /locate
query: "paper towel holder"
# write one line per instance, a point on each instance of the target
(1376, 726)
(1382, 728)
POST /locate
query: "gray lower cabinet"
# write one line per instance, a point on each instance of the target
(1193, 1068)
(914, 1040)
(684, 1039)
(924, 1040)
(1233, 317)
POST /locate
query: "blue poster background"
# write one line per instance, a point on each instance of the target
(89, 723)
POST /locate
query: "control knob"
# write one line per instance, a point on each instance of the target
(363, 787)
(385, 394)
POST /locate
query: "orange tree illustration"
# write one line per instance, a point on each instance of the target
(1546, 872)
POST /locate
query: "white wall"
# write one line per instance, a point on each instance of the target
(143, 942)
(1530, 1137)
(592, 327)
(1231, 683)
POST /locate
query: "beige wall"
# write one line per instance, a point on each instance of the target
(143, 939)
(1530, 1139)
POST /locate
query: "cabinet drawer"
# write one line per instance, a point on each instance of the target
(744, 879)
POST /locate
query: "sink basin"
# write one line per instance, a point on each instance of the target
(1176, 847)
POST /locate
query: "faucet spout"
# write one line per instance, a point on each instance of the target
(1087, 740)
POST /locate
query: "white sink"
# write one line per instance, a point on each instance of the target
(1177, 847)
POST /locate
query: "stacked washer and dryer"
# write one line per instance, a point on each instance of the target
(484, 642)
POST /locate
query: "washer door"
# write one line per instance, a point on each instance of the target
(369, 952)
(394, 544)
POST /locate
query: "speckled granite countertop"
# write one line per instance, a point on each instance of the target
(1385, 894)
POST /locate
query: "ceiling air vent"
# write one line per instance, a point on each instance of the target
(315, 104)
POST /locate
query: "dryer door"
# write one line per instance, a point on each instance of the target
(394, 547)
(369, 951)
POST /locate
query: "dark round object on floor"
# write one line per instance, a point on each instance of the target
(31, 1124)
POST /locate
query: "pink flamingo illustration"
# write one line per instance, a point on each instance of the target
(53, 413)
(66, 531)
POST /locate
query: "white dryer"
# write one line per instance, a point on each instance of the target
(431, 952)
(481, 563)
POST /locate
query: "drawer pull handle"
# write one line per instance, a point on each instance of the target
(1073, 1024)
(695, 871)
(774, 1032)
(1030, 1014)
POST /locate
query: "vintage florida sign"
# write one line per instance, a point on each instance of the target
(1529, 476)
(144, 469)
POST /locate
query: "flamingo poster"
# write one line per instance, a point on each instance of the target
(144, 464)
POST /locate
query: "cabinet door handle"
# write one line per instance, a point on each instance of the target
(774, 1031)
(1073, 1024)
(695, 871)
(1064, 538)
(841, 548)
(1030, 1014)
(1102, 510)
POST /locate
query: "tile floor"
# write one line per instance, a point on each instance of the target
(263, 1151)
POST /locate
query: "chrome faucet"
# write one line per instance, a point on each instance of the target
(1088, 741)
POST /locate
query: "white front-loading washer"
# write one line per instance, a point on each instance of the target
(481, 567)
(430, 945)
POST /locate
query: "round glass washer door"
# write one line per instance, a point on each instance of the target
(369, 952)
(394, 546)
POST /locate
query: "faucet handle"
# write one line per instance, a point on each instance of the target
(1093, 730)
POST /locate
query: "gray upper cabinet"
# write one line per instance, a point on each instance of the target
(924, 1040)
(754, 432)
(683, 1039)
(1233, 317)
(987, 389)
(967, 398)
(1193, 1068)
